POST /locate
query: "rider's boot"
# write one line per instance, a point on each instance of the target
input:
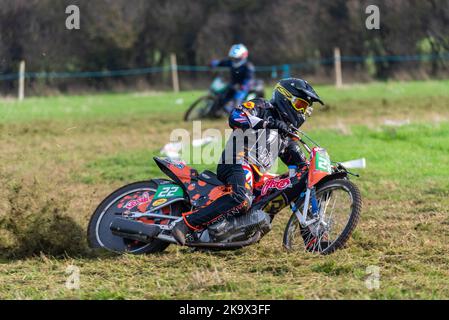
(179, 232)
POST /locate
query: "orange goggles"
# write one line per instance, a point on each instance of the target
(299, 104)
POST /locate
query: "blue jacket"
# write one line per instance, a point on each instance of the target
(241, 75)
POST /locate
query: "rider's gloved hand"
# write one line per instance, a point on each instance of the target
(277, 124)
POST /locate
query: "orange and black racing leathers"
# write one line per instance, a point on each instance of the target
(260, 117)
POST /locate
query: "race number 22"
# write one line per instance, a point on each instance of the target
(167, 192)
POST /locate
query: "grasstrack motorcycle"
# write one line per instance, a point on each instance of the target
(211, 105)
(325, 208)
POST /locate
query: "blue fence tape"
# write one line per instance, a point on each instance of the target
(274, 69)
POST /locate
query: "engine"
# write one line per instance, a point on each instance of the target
(240, 228)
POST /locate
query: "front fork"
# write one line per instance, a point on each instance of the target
(309, 200)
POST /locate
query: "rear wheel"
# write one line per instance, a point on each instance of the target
(340, 205)
(200, 108)
(115, 205)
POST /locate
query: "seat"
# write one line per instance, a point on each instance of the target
(210, 177)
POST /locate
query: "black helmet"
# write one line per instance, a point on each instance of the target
(292, 97)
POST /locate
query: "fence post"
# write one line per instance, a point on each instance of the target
(174, 72)
(285, 71)
(21, 80)
(337, 64)
(274, 73)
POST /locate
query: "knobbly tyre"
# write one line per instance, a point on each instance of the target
(325, 208)
(211, 105)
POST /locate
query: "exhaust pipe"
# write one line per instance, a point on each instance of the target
(226, 245)
(134, 230)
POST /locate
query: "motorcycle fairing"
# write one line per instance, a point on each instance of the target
(200, 191)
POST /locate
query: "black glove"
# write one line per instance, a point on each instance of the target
(279, 125)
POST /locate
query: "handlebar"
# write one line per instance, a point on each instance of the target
(306, 146)
(294, 133)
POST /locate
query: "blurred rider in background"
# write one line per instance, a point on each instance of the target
(242, 75)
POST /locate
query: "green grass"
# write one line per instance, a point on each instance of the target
(134, 104)
(390, 90)
(62, 155)
(103, 106)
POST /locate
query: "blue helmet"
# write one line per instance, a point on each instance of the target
(238, 54)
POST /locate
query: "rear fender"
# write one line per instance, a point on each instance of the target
(177, 171)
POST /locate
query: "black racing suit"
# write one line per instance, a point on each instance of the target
(255, 115)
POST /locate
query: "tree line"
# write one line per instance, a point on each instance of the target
(122, 34)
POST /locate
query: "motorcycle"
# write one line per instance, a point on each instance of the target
(325, 208)
(212, 104)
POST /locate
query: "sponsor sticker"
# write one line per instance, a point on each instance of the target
(275, 205)
(279, 184)
(159, 202)
(144, 198)
(178, 164)
(249, 105)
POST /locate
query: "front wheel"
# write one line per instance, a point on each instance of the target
(340, 205)
(115, 205)
(200, 108)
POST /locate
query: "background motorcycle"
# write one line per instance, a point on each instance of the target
(211, 105)
(325, 208)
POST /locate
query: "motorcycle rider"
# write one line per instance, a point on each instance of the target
(242, 75)
(291, 101)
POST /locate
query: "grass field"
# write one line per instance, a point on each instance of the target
(60, 156)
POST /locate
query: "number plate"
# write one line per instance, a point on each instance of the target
(322, 162)
(168, 191)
